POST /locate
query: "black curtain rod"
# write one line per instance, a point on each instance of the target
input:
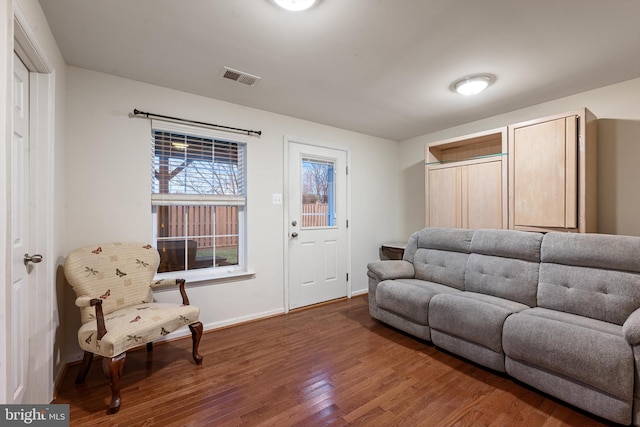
(148, 115)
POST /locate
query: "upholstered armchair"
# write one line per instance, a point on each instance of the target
(113, 285)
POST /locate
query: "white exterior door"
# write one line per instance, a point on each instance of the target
(317, 229)
(18, 350)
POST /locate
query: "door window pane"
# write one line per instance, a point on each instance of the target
(318, 193)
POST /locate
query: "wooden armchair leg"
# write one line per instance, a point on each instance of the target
(196, 334)
(84, 369)
(113, 368)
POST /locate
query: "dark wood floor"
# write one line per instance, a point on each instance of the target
(328, 365)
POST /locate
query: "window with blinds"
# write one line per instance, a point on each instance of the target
(198, 197)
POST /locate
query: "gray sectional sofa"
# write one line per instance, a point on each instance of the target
(557, 311)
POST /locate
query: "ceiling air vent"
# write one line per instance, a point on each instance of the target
(239, 76)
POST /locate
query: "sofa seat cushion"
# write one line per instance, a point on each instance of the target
(135, 325)
(474, 317)
(409, 297)
(588, 351)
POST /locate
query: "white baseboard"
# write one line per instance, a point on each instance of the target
(242, 319)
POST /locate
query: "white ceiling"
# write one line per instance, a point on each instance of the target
(380, 67)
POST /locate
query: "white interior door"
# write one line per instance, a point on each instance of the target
(19, 307)
(318, 243)
(30, 350)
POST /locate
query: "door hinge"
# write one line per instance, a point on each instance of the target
(347, 168)
(347, 277)
(347, 223)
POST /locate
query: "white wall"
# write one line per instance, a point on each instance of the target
(108, 185)
(617, 108)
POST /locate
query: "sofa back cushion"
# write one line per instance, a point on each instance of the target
(593, 275)
(505, 264)
(440, 255)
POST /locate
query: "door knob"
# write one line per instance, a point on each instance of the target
(294, 234)
(37, 258)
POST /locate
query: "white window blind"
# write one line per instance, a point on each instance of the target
(199, 169)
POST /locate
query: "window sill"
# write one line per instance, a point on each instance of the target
(200, 277)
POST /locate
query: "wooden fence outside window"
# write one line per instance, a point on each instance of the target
(225, 229)
(203, 226)
(315, 215)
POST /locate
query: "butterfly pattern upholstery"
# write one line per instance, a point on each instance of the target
(113, 284)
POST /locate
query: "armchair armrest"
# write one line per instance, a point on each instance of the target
(393, 269)
(173, 282)
(86, 301)
(631, 328)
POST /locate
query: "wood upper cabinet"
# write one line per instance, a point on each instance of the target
(552, 173)
(444, 205)
(465, 181)
(484, 205)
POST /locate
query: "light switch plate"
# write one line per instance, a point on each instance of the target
(277, 199)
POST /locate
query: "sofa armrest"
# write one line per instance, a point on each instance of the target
(631, 328)
(392, 269)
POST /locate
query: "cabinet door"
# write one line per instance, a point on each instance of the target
(482, 195)
(445, 197)
(544, 167)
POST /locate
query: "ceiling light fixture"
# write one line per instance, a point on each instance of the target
(295, 5)
(471, 85)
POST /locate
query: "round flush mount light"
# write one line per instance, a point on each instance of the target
(295, 5)
(471, 85)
